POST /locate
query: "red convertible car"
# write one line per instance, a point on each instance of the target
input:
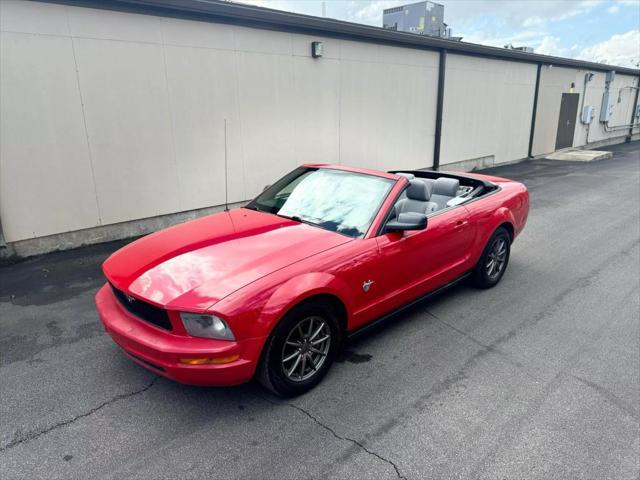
(272, 289)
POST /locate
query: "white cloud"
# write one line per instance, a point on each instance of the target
(369, 12)
(551, 46)
(516, 14)
(541, 42)
(556, 11)
(623, 50)
(522, 23)
(297, 6)
(462, 14)
(528, 37)
(499, 22)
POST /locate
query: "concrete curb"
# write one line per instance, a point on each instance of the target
(580, 155)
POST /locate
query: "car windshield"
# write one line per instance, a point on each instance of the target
(336, 200)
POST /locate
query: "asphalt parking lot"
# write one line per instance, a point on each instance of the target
(536, 378)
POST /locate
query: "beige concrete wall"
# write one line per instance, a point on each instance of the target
(622, 109)
(554, 81)
(487, 109)
(108, 117)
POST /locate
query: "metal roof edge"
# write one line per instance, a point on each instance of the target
(270, 19)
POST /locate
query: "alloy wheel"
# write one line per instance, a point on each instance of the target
(306, 348)
(496, 258)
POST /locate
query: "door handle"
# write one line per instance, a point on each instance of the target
(461, 223)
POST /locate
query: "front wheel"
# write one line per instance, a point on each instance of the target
(494, 260)
(301, 349)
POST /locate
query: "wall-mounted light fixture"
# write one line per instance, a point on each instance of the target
(317, 49)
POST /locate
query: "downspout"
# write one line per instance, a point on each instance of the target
(442, 65)
(3, 243)
(587, 78)
(534, 111)
(632, 122)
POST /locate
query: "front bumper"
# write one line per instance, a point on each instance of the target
(160, 351)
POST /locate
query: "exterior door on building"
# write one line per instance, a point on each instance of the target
(567, 120)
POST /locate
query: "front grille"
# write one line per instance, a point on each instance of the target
(143, 310)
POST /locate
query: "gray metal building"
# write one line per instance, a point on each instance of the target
(112, 112)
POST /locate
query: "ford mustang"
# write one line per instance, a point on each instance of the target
(271, 290)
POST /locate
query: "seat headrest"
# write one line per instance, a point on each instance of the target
(446, 186)
(408, 176)
(418, 190)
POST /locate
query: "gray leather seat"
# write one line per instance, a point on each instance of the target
(444, 189)
(417, 201)
(429, 182)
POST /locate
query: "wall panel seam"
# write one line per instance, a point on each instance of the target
(84, 123)
(236, 61)
(340, 113)
(170, 119)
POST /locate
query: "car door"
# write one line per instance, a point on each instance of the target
(417, 262)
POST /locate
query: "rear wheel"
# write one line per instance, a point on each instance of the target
(301, 349)
(494, 260)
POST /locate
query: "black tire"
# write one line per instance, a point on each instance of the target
(274, 371)
(494, 260)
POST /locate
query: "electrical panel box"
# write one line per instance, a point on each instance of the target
(587, 114)
(606, 109)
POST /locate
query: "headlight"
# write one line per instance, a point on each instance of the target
(208, 326)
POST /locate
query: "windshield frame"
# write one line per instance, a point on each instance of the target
(299, 172)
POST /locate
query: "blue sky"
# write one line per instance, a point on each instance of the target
(597, 30)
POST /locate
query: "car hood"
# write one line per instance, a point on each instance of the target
(193, 265)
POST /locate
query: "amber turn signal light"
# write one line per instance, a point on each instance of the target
(210, 361)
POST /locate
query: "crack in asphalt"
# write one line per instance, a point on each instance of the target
(340, 437)
(38, 433)
(556, 302)
(514, 424)
(550, 309)
(612, 398)
(485, 348)
(336, 435)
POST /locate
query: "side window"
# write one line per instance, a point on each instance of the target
(393, 213)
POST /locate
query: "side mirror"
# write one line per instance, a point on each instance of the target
(407, 221)
(266, 187)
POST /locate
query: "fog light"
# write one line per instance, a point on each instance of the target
(227, 359)
(210, 361)
(195, 361)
